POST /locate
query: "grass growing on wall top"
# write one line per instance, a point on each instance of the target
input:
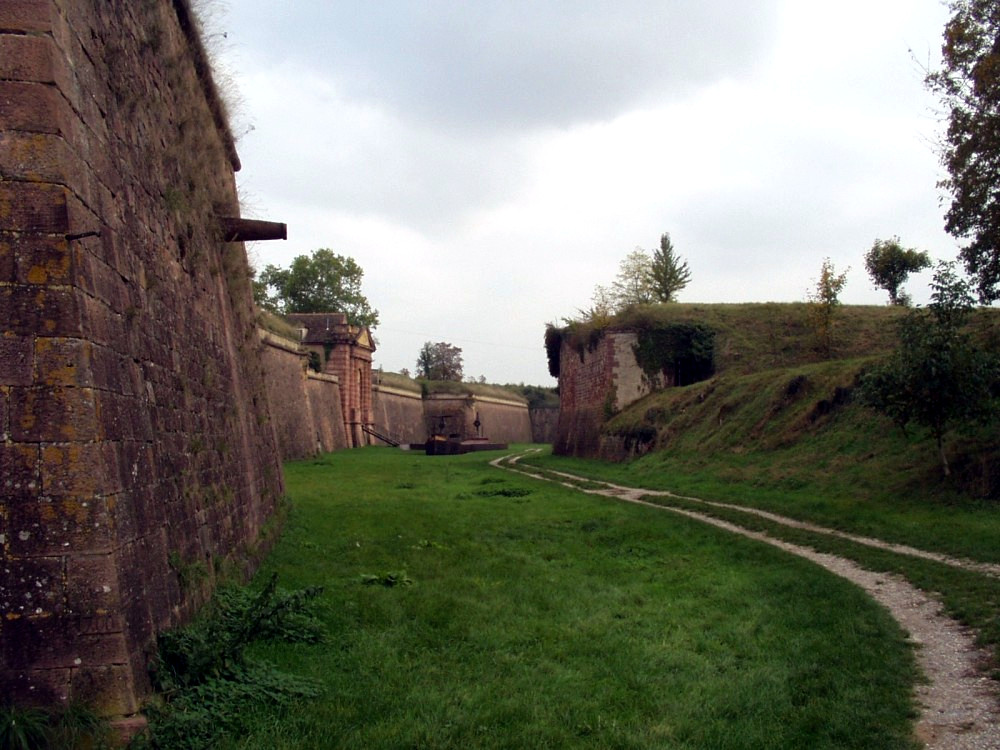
(457, 388)
(540, 617)
(278, 325)
(396, 380)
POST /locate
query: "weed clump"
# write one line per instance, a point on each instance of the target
(389, 580)
(207, 685)
(73, 726)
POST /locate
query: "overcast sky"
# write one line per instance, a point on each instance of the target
(488, 162)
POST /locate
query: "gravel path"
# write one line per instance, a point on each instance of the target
(960, 706)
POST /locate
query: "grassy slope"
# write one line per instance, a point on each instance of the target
(540, 617)
(794, 442)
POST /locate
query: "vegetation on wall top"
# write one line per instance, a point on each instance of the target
(683, 352)
(432, 387)
(751, 337)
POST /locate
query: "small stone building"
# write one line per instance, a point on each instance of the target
(345, 351)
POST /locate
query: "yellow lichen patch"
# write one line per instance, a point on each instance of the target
(69, 464)
(38, 275)
(60, 361)
(12, 616)
(76, 510)
(28, 420)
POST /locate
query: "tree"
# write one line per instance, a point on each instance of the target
(889, 264)
(322, 282)
(936, 378)
(440, 361)
(969, 86)
(634, 283)
(668, 271)
(825, 298)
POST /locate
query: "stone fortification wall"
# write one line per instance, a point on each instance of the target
(135, 446)
(285, 369)
(501, 421)
(399, 414)
(328, 416)
(305, 406)
(544, 421)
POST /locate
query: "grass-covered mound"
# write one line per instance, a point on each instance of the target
(784, 429)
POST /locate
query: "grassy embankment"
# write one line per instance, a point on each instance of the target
(541, 617)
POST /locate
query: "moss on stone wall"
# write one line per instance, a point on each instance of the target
(683, 352)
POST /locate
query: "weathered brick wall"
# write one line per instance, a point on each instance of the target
(594, 385)
(399, 414)
(586, 396)
(135, 447)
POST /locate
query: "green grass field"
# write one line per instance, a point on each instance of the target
(539, 617)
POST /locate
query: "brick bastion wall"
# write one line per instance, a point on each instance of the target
(593, 384)
(305, 406)
(135, 440)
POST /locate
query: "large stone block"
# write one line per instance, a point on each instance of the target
(43, 260)
(63, 362)
(47, 643)
(53, 414)
(31, 107)
(18, 471)
(31, 587)
(108, 689)
(73, 470)
(44, 526)
(45, 158)
(37, 687)
(47, 311)
(92, 586)
(26, 58)
(26, 15)
(15, 359)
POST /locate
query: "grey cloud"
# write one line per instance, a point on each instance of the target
(486, 65)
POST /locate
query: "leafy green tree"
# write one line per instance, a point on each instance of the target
(889, 264)
(321, 282)
(440, 361)
(936, 378)
(968, 84)
(634, 283)
(825, 298)
(668, 271)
